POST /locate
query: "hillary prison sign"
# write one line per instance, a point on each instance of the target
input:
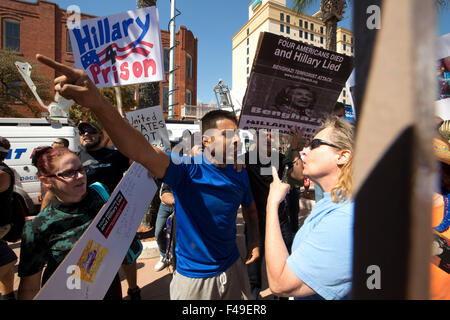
(120, 49)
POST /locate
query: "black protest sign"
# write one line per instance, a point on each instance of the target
(292, 84)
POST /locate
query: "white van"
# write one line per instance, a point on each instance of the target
(175, 128)
(25, 134)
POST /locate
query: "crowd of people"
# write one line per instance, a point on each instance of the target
(204, 187)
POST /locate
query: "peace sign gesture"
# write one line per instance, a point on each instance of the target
(73, 84)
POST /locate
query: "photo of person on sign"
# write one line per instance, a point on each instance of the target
(296, 99)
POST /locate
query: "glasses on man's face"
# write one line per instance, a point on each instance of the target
(69, 174)
(315, 143)
(88, 131)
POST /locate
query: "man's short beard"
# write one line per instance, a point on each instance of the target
(92, 145)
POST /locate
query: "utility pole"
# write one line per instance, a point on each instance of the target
(148, 92)
(172, 59)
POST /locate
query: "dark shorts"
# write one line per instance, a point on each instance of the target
(6, 254)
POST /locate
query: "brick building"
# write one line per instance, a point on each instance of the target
(185, 75)
(40, 27)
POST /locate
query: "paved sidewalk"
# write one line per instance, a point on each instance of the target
(155, 285)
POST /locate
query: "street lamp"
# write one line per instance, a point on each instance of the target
(223, 96)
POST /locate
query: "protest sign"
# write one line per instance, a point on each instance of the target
(292, 84)
(88, 270)
(150, 122)
(443, 55)
(120, 49)
(350, 113)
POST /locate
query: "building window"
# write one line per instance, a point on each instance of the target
(188, 97)
(312, 26)
(345, 102)
(281, 27)
(321, 30)
(188, 66)
(345, 47)
(288, 29)
(248, 31)
(344, 93)
(306, 24)
(165, 98)
(248, 41)
(321, 40)
(312, 37)
(300, 23)
(248, 70)
(306, 35)
(248, 51)
(248, 60)
(351, 49)
(11, 35)
(288, 19)
(68, 43)
(300, 33)
(166, 60)
(282, 16)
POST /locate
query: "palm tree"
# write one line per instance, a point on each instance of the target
(331, 12)
(148, 92)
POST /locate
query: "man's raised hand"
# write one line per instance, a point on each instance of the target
(73, 83)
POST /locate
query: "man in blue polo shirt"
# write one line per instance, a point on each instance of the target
(208, 193)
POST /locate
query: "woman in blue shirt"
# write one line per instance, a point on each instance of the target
(320, 266)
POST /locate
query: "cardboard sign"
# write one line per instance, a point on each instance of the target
(150, 122)
(292, 84)
(88, 270)
(120, 49)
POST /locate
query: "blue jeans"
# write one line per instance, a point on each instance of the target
(163, 213)
(254, 269)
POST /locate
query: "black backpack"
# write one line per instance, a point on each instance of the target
(17, 212)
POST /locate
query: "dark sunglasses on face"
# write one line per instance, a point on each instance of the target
(315, 143)
(89, 131)
(69, 174)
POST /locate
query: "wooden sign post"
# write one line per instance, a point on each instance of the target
(394, 171)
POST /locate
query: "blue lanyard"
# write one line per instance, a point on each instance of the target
(445, 224)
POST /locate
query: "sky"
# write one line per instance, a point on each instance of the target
(213, 23)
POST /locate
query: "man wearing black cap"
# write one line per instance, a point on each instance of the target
(107, 166)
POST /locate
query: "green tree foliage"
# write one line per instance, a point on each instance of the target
(13, 90)
(78, 113)
(332, 12)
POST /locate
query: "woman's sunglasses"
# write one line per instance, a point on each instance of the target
(69, 174)
(315, 143)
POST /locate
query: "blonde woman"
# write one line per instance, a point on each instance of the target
(320, 266)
